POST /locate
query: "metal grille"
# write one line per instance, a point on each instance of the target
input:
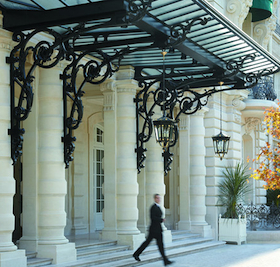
(261, 217)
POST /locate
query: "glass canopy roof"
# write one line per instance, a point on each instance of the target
(204, 47)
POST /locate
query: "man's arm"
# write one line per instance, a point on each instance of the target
(156, 214)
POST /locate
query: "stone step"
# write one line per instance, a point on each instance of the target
(124, 258)
(181, 232)
(87, 252)
(36, 262)
(30, 254)
(96, 244)
(153, 257)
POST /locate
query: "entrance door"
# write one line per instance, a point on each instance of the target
(99, 180)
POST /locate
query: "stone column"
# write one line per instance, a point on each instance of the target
(127, 186)
(142, 223)
(184, 174)
(29, 239)
(197, 175)
(9, 255)
(109, 231)
(52, 186)
(154, 170)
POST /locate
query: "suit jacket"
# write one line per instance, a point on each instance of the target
(156, 220)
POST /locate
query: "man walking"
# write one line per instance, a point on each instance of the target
(155, 231)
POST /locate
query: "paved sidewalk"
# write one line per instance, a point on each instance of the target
(246, 255)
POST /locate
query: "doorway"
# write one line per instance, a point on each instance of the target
(98, 177)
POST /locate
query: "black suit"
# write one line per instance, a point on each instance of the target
(155, 231)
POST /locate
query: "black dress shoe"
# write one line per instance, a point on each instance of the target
(168, 262)
(136, 257)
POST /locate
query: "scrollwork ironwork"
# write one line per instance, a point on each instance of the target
(45, 54)
(137, 9)
(179, 31)
(261, 217)
(94, 71)
(166, 96)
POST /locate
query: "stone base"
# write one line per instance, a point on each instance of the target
(167, 236)
(263, 237)
(133, 241)
(108, 234)
(79, 230)
(15, 258)
(184, 225)
(28, 244)
(203, 230)
(59, 253)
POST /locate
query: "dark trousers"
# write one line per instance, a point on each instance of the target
(150, 237)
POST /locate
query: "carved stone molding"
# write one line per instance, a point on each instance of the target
(251, 123)
(238, 10)
(127, 86)
(238, 103)
(184, 122)
(108, 90)
(263, 30)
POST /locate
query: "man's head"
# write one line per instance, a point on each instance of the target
(157, 198)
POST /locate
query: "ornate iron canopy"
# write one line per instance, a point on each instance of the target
(205, 48)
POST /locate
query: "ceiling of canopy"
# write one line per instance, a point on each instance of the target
(203, 46)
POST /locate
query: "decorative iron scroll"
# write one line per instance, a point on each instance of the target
(137, 9)
(95, 72)
(179, 31)
(189, 101)
(45, 54)
(261, 217)
(180, 94)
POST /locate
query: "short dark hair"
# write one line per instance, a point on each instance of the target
(155, 195)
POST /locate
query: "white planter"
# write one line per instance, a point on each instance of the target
(232, 230)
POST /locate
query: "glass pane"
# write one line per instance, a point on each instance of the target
(101, 206)
(98, 191)
(97, 155)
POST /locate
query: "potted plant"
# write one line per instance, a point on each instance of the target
(233, 188)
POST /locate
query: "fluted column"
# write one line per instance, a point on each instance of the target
(127, 186)
(184, 174)
(51, 171)
(9, 255)
(110, 131)
(197, 174)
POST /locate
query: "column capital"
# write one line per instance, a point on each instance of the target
(6, 42)
(108, 86)
(127, 86)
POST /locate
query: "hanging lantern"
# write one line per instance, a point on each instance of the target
(164, 129)
(221, 144)
(221, 141)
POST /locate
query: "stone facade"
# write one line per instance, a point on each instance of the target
(101, 191)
